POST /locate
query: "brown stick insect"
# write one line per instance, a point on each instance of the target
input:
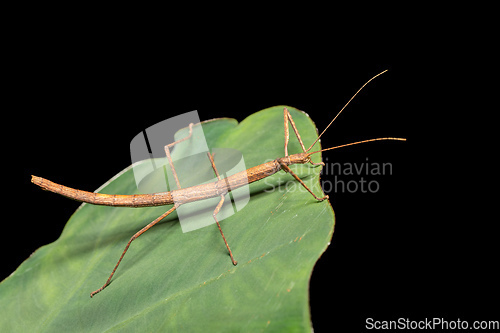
(218, 188)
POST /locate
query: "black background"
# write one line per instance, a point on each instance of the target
(405, 251)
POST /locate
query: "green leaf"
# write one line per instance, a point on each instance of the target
(175, 281)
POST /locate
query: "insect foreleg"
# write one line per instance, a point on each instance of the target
(288, 118)
(287, 169)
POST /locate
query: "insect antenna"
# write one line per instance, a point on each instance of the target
(346, 104)
(357, 142)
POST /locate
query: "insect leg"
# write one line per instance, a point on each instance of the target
(210, 156)
(288, 117)
(167, 151)
(287, 132)
(216, 211)
(287, 169)
(140, 232)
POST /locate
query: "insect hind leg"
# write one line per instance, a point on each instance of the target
(167, 151)
(137, 234)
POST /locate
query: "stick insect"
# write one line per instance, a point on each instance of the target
(218, 188)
